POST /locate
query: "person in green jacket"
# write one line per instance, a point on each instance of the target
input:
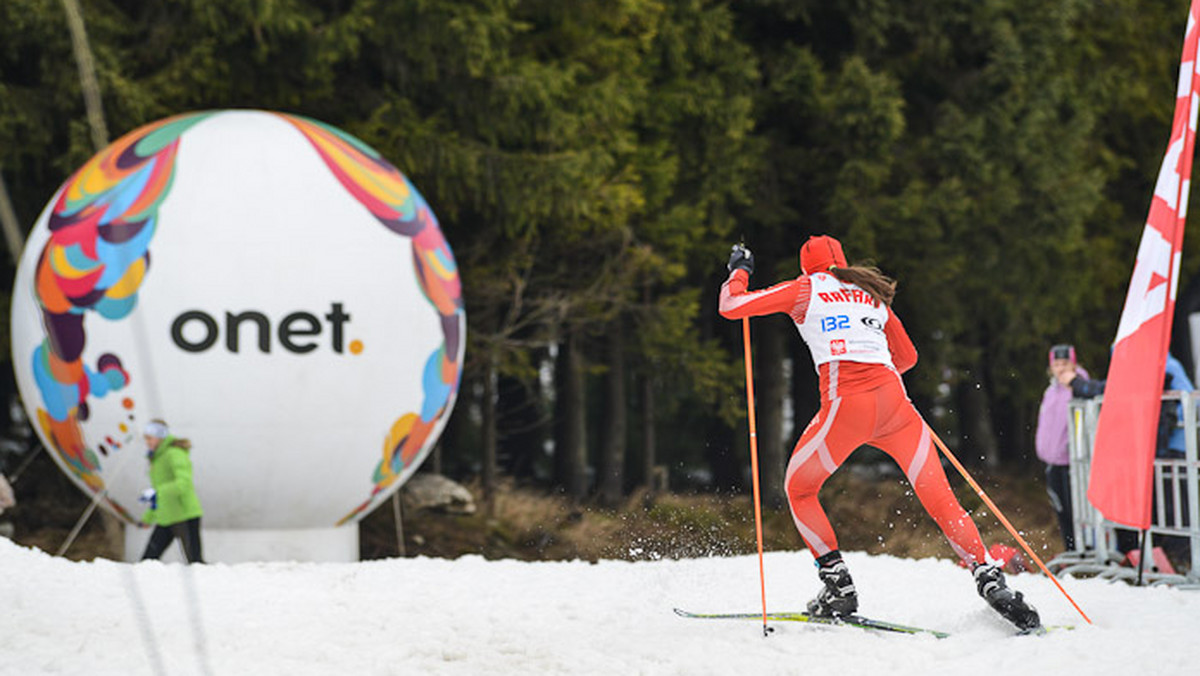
(174, 510)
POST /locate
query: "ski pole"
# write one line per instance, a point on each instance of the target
(999, 515)
(95, 501)
(762, 580)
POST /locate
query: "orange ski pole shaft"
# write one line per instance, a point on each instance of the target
(762, 580)
(999, 515)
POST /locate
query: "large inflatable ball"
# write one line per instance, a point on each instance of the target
(274, 290)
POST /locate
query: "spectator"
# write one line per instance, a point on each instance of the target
(1170, 434)
(1172, 446)
(174, 509)
(1053, 431)
(1169, 445)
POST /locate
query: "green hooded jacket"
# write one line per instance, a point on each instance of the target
(171, 476)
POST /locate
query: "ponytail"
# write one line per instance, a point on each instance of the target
(870, 279)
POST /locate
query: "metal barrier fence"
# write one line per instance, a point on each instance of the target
(1176, 507)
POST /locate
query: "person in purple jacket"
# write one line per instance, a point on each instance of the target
(1052, 434)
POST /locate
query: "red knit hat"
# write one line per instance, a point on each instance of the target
(820, 253)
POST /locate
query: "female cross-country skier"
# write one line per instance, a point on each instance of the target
(860, 348)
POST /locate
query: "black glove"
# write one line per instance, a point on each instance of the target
(741, 259)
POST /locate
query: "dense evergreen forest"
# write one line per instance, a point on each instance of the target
(592, 161)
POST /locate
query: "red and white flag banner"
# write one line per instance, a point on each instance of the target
(1123, 458)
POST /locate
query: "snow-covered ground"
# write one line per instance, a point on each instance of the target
(472, 616)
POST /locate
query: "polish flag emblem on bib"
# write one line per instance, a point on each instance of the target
(837, 347)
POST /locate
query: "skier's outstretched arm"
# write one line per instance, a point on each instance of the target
(737, 302)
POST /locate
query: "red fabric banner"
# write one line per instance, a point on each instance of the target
(1123, 458)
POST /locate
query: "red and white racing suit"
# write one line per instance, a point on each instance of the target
(860, 348)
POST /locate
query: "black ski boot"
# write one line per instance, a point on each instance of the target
(1011, 605)
(838, 597)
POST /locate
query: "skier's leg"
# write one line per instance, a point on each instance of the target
(1058, 485)
(910, 443)
(160, 539)
(829, 438)
(188, 533)
(911, 446)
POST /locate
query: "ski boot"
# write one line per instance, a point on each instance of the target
(838, 597)
(1010, 604)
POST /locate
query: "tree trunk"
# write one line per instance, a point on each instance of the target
(570, 448)
(1020, 448)
(725, 449)
(979, 437)
(520, 433)
(612, 459)
(461, 437)
(435, 457)
(88, 82)
(771, 389)
(649, 442)
(8, 220)
(488, 470)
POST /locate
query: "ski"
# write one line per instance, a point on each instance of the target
(850, 621)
